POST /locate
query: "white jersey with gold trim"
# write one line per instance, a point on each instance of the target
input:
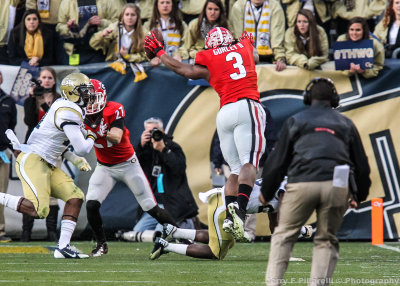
(48, 138)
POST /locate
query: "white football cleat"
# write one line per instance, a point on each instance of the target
(168, 231)
(69, 252)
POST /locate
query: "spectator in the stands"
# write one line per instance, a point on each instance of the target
(30, 41)
(320, 9)
(8, 10)
(343, 11)
(78, 21)
(358, 30)
(191, 9)
(306, 43)
(166, 18)
(164, 163)
(123, 39)
(213, 15)
(388, 30)
(146, 7)
(265, 21)
(48, 11)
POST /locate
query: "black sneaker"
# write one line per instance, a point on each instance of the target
(158, 249)
(100, 249)
(4, 238)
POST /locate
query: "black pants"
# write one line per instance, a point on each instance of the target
(4, 56)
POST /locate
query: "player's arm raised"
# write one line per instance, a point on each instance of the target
(186, 70)
(248, 36)
(155, 48)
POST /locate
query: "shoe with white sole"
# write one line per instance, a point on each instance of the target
(69, 252)
(100, 249)
(168, 231)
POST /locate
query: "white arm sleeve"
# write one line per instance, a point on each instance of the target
(81, 145)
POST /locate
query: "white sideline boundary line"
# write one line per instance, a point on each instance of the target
(384, 246)
(207, 282)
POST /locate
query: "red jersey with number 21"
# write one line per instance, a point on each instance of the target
(105, 151)
(232, 71)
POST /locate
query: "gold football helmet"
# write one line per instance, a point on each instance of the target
(77, 88)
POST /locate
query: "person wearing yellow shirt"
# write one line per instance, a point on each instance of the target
(306, 43)
(212, 15)
(265, 21)
(166, 18)
(358, 30)
(123, 39)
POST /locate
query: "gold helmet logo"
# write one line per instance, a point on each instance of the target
(76, 87)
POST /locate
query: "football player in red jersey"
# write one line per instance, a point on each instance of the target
(117, 161)
(230, 69)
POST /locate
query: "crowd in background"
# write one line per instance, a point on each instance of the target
(300, 33)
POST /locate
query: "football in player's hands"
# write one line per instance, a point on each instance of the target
(151, 47)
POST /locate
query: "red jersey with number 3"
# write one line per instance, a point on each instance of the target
(232, 71)
(105, 151)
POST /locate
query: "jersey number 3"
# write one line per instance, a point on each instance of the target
(238, 64)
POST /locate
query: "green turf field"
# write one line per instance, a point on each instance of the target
(128, 264)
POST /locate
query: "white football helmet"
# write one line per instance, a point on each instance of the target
(99, 99)
(218, 37)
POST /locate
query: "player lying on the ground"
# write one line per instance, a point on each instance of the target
(217, 241)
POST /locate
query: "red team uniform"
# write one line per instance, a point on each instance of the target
(235, 69)
(241, 119)
(107, 153)
(115, 163)
(233, 76)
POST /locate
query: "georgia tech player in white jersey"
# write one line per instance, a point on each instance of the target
(36, 164)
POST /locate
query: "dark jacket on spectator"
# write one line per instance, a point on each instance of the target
(8, 118)
(177, 198)
(17, 53)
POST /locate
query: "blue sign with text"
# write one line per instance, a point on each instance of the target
(359, 53)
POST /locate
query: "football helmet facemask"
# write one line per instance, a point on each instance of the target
(76, 87)
(98, 100)
(218, 37)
